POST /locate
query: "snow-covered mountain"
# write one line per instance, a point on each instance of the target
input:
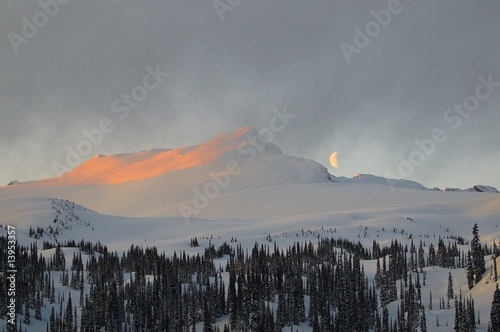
(148, 182)
(244, 147)
(235, 167)
(238, 185)
(477, 188)
(399, 183)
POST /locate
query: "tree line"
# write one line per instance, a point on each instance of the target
(265, 288)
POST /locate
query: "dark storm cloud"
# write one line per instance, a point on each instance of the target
(230, 73)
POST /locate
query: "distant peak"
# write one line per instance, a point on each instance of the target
(477, 188)
(400, 183)
(237, 145)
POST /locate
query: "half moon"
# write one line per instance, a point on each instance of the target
(333, 160)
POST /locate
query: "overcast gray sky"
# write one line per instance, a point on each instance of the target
(231, 66)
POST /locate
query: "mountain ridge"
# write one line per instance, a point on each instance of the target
(245, 146)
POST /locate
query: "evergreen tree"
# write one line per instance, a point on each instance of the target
(378, 275)
(232, 300)
(38, 306)
(282, 312)
(314, 305)
(471, 315)
(207, 316)
(495, 311)
(477, 255)
(52, 320)
(52, 298)
(68, 317)
(423, 321)
(450, 293)
(470, 270)
(385, 319)
(458, 315)
(495, 267)
(299, 310)
(26, 313)
(222, 297)
(421, 258)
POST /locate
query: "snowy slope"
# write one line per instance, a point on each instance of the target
(234, 186)
(426, 221)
